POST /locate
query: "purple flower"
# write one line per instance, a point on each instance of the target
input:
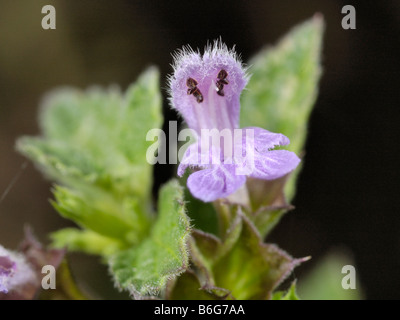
(15, 271)
(205, 90)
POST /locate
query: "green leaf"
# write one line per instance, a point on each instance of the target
(143, 112)
(324, 282)
(291, 294)
(284, 82)
(208, 245)
(187, 287)
(145, 269)
(94, 144)
(95, 211)
(86, 241)
(239, 267)
(99, 136)
(252, 269)
(284, 86)
(205, 250)
(268, 203)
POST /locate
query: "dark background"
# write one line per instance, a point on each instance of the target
(347, 193)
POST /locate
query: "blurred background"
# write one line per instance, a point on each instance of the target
(347, 195)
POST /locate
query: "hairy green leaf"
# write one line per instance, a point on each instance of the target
(145, 269)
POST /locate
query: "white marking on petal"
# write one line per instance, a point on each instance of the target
(212, 106)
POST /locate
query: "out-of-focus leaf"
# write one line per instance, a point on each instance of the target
(98, 211)
(86, 241)
(94, 143)
(279, 97)
(324, 282)
(99, 136)
(284, 86)
(80, 209)
(145, 269)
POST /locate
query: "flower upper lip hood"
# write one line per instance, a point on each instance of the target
(195, 92)
(215, 112)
